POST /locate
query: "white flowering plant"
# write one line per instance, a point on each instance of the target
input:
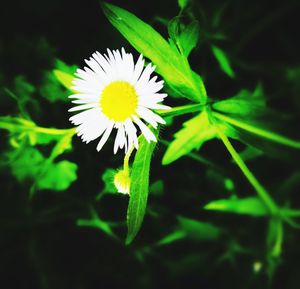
(140, 99)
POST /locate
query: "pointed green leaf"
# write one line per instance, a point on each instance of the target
(198, 230)
(63, 144)
(170, 64)
(193, 135)
(64, 78)
(139, 187)
(251, 206)
(223, 61)
(171, 238)
(257, 129)
(275, 238)
(254, 123)
(244, 103)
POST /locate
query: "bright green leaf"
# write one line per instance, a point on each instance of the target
(29, 164)
(193, 135)
(251, 206)
(223, 61)
(184, 37)
(64, 144)
(189, 37)
(108, 179)
(64, 78)
(57, 176)
(139, 187)
(170, 64)
(244, 103)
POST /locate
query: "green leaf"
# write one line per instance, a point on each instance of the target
(25, 163)
(171, 238)
(244, 103)
(247, 115)
(184, 37)
(108, 179)
(64, 78)
(21, 128)
(193, 135)
(29, 164)
(197, 230)
(274, 245)
(57, 176)
(51, 89)
(189, 37)
(16, 124)
(23, 89)
(223, 61)
(258, 129)
(183, 4)
(169, 62)
(64, 144)
(96, 222)
(251, 206)
(139, 187)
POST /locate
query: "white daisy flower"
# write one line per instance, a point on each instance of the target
(113, 92)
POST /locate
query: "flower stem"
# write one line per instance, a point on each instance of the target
(261, 191)
(126, 159)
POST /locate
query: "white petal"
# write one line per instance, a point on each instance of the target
(138, 69)
(120, 140)
(159, 106)
(87, 100)
(90, 131)
(84, 106)
(145, 130)
(131, 132)
(83, 96)
(144, 79)
(105, 135)
(150, 117)
(81, 117)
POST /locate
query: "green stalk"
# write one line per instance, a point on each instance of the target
(261, 191)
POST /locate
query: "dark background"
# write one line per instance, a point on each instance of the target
(52, 252)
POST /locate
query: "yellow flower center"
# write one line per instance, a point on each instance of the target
(119, 100)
